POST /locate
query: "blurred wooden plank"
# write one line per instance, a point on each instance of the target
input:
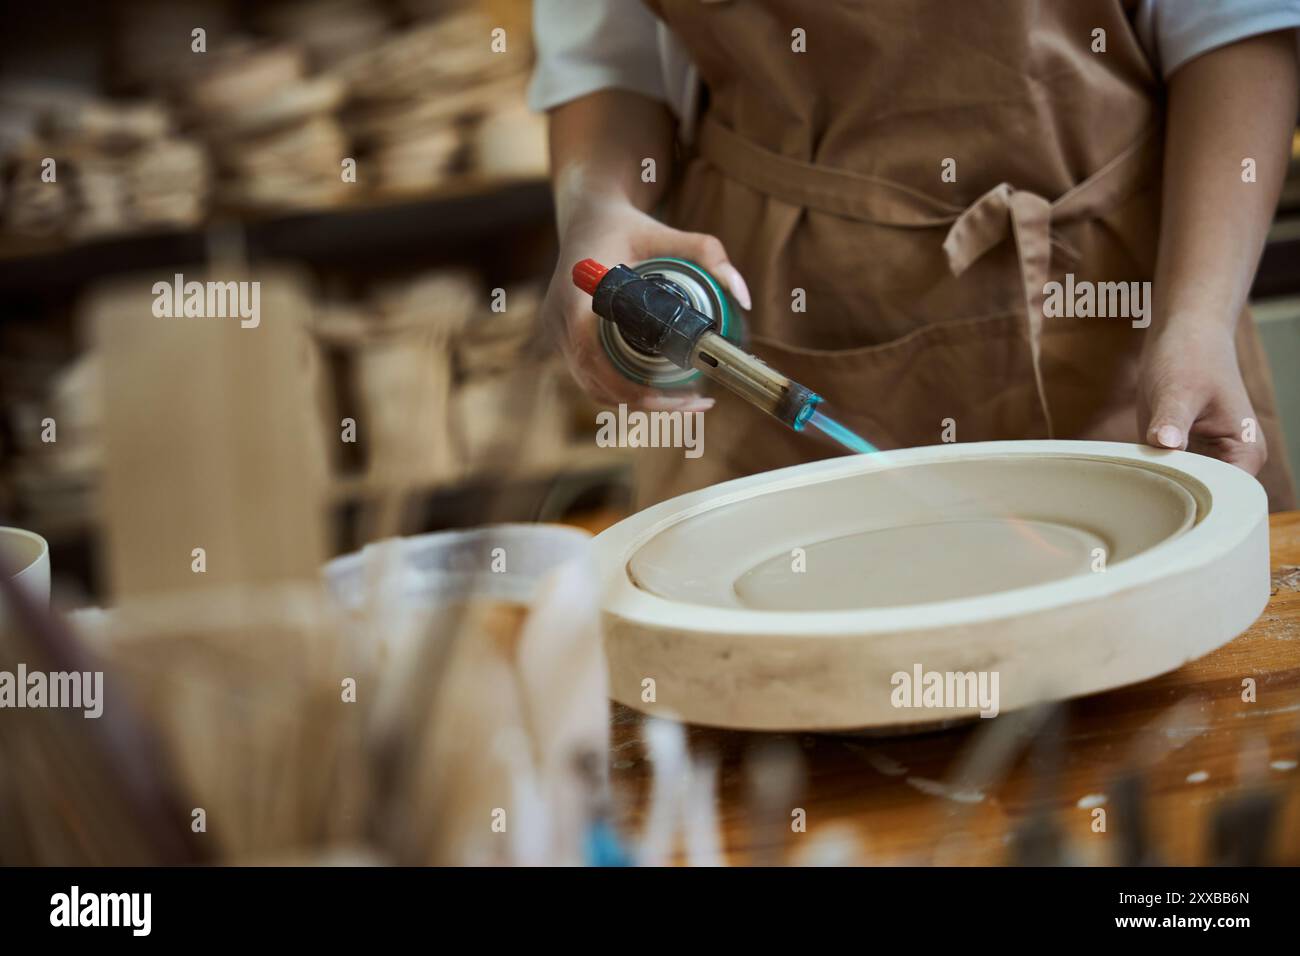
(210, 441)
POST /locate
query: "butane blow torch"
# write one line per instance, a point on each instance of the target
(655, 318)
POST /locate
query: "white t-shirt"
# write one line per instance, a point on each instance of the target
(589, 45)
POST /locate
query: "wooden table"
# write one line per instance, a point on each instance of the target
(1187, 740)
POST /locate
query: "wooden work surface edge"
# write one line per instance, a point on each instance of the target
(1196, 741)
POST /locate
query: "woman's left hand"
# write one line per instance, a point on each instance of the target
(1191, 396)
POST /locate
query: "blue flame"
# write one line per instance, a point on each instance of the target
(837, 432)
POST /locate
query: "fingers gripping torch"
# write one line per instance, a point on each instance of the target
(655, 319)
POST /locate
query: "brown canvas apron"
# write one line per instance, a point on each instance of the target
(922, 299)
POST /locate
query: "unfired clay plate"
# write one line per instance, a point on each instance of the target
(789, 600)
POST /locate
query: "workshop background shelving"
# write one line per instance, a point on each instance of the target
(450, 202)
(501, 229)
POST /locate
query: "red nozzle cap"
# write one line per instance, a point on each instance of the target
(587, 275)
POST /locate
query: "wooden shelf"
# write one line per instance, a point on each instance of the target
(577, 459)
(462, 211)
(1279, 267)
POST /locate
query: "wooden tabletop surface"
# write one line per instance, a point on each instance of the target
(1165, 762)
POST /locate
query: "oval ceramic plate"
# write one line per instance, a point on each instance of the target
(794, 599)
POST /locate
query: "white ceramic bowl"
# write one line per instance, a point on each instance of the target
(27, 556)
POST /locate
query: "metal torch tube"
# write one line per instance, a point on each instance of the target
(753, 380)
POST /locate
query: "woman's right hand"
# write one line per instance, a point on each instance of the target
(614, 231)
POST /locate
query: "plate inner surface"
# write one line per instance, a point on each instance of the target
(915, 534)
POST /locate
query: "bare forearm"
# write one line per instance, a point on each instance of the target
(1229, 105)
(598, 145)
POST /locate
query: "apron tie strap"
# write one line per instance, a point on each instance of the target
(841, 192)
(984, 225)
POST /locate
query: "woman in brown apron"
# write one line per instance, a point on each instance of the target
(900, 182)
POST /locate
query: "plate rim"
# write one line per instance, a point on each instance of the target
(1237, 505)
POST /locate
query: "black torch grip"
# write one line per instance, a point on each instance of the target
(652, 318)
